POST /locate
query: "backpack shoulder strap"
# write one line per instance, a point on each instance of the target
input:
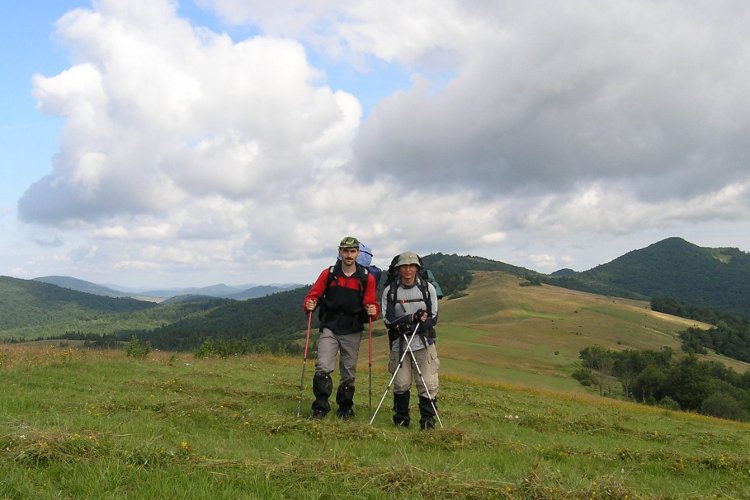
(392, 291)
(424, 287)
(331, 276)
(364, 276)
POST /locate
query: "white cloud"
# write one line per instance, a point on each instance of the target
(531, 132)
(160, 112)
(550, 100)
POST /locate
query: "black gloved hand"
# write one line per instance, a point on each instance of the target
(417, 316)
(403, 327)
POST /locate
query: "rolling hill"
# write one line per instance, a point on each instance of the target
(501, 330)
(495, 328)
(717, 278)
(672, 266)
(502, 327)
(25, 303)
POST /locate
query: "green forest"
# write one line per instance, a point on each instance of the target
(716, 278)
(659, 378)
(729, 336)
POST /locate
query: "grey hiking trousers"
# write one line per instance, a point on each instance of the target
(346, 346)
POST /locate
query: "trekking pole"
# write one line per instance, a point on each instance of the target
(394, 374)
(369, 373)
(409, 349)
(304, 363)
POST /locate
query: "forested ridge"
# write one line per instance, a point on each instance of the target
(453, 272)
(716, 278)
(29, 303)
(272, 323)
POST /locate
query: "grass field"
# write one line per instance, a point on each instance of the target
(85, 424)
(98, 424)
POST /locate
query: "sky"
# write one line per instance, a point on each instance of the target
(155, 143)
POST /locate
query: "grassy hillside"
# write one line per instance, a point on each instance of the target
(80, 424)
(517, 425)
(533, 334)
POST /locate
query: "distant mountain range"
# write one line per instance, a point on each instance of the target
(240, 292)
(82, 286)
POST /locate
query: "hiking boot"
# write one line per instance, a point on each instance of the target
(426, 424)
(322, 387)
(345, 396)
(318, 415)
(345, 413)
(401, 409)
(428, 412)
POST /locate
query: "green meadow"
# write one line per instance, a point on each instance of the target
(86, 424)
(99, 424)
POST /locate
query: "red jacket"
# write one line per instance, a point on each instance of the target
(342, 299)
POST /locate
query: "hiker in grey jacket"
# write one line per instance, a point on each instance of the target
(408, 301)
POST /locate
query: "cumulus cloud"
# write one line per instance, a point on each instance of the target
(576, 94)
(158, 112)
(523, 125)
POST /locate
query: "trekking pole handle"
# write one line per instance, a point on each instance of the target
(419, 316)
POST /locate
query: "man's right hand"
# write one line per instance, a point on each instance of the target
(310, 305)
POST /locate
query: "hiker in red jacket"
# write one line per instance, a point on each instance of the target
(346, 296)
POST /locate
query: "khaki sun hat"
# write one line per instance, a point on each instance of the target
(408, 258)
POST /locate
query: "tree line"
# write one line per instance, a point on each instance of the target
(729, 335)
(658, 378)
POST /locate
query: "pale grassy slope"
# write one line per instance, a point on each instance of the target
(531, 335)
